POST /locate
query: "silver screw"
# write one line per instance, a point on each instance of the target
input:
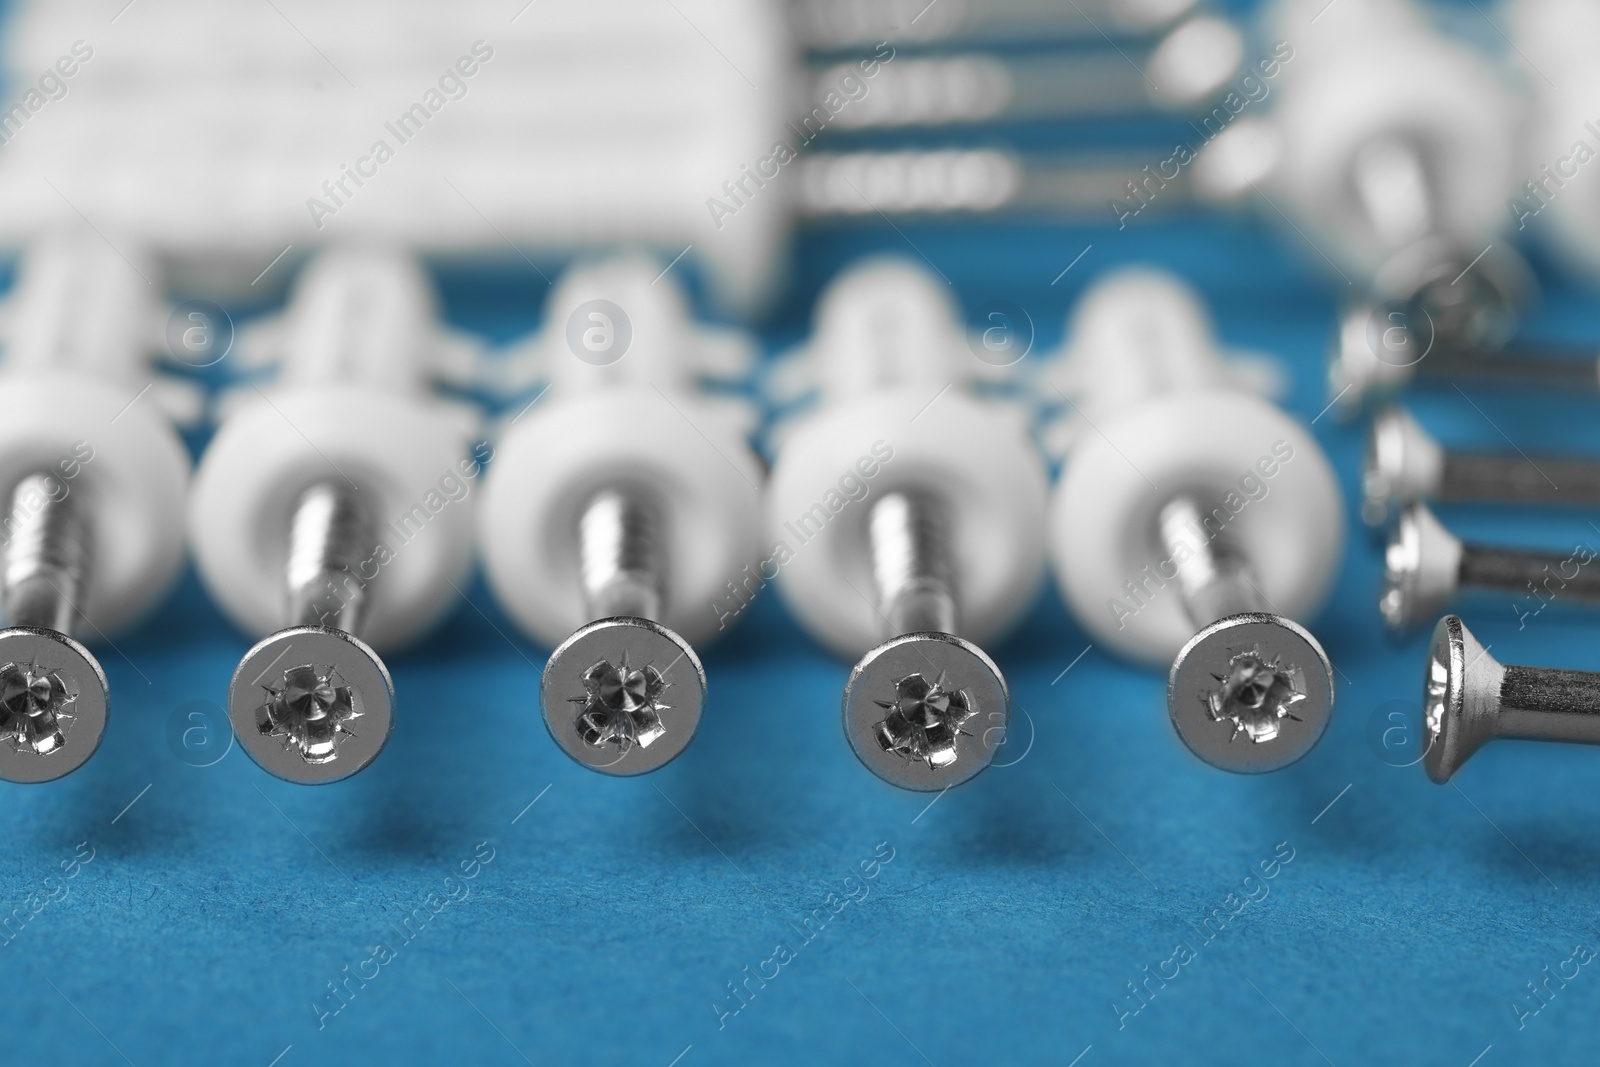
(1252, 691)
(53, 694)
(1377, 354)
(623, 694)
(926, 709)
(1425, 566)
(312, 703)
(1405, 464)
(1468, 699)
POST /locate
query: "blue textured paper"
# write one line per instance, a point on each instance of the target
(156, 910)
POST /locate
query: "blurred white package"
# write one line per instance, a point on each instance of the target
(220, 135)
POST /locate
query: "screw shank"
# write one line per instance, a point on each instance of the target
(621, 556)
(1516, 570)
(908, 541)
(47, 554)
(1545, 704)
(332, 531)
(1214, 578)
(1533, 367)
(1515, 479)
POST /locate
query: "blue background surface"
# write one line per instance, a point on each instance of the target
(220, 903)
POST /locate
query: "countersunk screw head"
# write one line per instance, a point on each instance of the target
(53, 704)
(311, 704)
(1251, 693)
(1374, 354)
(1403, 463)
(1460, 698)
(926, 711)
(1420, 568)
(623, 695)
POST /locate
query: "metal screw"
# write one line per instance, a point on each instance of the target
(1378, 353)
(1252, 691)
(1405, 464)
(622, 694)
(312, 703)
(53, 694)
(926, 709)
(1468, 699)
(1425, 566)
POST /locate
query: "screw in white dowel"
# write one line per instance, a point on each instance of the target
(93, 478)
(938, 549)
(1394, 150)
(619, 506)
(293, 516)
(1194, 523)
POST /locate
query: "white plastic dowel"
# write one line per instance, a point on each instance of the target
(1351, 78)
(889, 353)
(622, 411)
(1190, 431)
(79, 330)
(351, 406)
(1558, 189)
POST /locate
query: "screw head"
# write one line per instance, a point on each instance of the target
(1374, 355)
(1420, 568)
(311, 704)
(53, 704)
(1403, 463)
(1467, 299)
(623, 695)
(926, 711)
(1460, 698)
(1251, 693)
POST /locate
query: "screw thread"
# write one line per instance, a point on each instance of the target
(1214, 577)
(331, 532)
(621, 556)
(1518, 479)
(1522, 365)
(909, 545)
(1489, 567)
(47, 556)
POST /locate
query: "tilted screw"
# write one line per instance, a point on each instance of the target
(925, 709)
(1462, 297)
(1252, 691)
(53, 694)
(1405, 464)
(623, 693)
(313, 703)
(1425, 566)
(1432, 296)
(1468, 699)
